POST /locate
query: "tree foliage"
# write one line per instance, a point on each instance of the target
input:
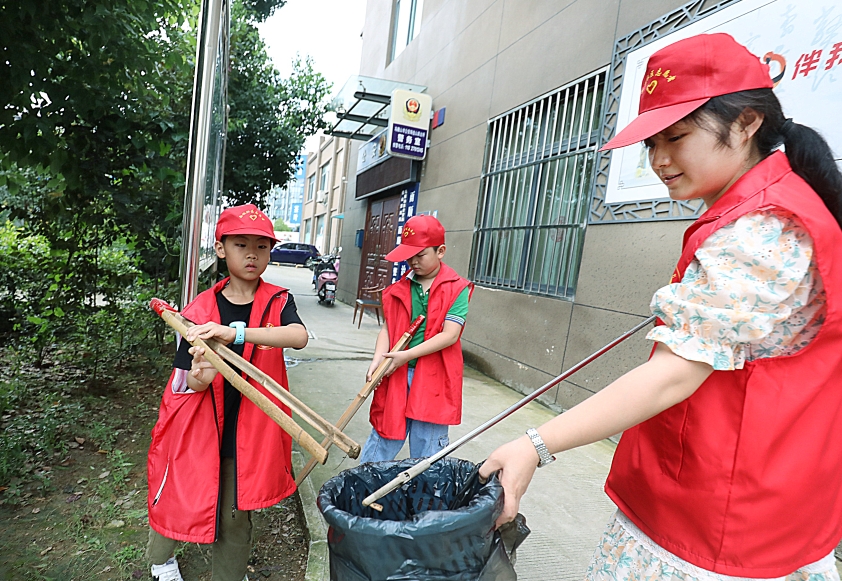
(262, 9)
(95, 110)
(95, 104)
(270, 117)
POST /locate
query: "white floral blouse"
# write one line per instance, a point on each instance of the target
(752, 291)
(625, 553)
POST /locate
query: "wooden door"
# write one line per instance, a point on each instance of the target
(381, 224)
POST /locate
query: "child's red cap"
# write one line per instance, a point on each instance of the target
(685, 75)
(418, 233)
(246, 219)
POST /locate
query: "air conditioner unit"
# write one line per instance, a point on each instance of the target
(321, 196)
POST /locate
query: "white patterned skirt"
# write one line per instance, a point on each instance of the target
(625, 553)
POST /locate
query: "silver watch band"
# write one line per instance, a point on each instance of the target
(544, 455)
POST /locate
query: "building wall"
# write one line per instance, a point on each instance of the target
(482, 58)
(332, 151)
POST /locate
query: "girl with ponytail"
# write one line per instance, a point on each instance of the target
(730, 462)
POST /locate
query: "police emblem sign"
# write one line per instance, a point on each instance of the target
(409, 124)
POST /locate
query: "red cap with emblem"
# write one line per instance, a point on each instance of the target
(683, 76)
(418, 233)
(246, 219)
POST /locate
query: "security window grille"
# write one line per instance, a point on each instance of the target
(536, 189)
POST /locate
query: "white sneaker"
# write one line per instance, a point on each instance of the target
(167, 572)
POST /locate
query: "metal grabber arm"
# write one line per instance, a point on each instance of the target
(417, 469)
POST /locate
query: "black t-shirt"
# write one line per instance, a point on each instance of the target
(228, 313)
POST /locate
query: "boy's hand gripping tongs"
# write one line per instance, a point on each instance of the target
(215, 352)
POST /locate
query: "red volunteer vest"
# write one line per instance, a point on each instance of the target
(183, 462)
(744, 477)
(436, 394)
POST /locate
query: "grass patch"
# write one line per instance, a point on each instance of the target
(73, 488)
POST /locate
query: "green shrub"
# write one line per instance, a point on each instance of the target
(23, 280)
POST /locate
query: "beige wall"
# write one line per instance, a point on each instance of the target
(333, 151)
(481, 58)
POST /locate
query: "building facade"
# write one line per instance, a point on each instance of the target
(566, 245)
(324, 194)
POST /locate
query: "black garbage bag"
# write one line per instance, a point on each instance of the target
(437, 527)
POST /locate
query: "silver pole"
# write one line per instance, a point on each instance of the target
(207, 46)
(417, 469)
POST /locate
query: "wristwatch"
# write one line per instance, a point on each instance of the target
(241, 332)
(544, 455)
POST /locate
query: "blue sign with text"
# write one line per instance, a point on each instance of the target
(295, 214)
(408, 141)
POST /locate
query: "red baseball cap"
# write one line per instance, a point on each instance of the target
(246, 219)
(683, 76)
(418, 233)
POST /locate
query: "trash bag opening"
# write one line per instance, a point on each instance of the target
(450, 486)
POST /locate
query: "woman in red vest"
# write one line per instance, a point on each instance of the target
(730, 463)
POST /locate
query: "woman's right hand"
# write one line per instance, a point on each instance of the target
(516, 462)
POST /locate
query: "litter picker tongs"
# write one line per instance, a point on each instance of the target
(378, 374)
(215, 352)
(421, 466)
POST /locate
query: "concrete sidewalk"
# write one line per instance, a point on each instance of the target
(565, 506)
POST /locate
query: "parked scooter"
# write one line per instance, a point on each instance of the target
(325, 273)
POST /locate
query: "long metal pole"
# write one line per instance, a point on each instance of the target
(207, 45)
(417, 469)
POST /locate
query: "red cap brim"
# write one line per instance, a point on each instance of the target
(651, 122)
(403, 252)
(250, 232)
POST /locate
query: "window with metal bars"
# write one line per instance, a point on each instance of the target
(535, 192)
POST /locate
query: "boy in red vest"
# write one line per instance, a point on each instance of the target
(215, 456)
(421, 394)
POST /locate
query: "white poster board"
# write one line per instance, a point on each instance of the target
(802, 40)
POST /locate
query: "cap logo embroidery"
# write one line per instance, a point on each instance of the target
(408, 232)
(650, 87)
(251, 214)
(665, 74)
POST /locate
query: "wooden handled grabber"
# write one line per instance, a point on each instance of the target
(215, 352)
(415, 470)
(378, 374)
